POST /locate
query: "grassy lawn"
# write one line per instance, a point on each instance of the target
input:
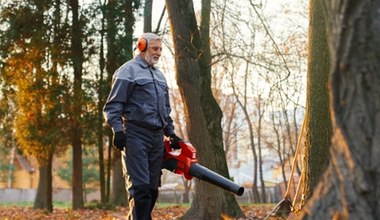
(30, 204)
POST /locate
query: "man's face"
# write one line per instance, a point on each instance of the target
(153, 52)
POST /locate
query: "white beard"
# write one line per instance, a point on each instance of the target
(151, 60)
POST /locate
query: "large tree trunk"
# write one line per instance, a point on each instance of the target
(209, 201)
(318, 129)
(350, 186)
(76, 127)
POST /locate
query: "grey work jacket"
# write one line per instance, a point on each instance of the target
(139, 95)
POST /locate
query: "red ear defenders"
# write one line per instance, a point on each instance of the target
(142, 44)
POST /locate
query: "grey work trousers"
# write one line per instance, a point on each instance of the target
(143, 158)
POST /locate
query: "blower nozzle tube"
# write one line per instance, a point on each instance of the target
(210, 176)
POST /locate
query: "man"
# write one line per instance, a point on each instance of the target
(138, 111)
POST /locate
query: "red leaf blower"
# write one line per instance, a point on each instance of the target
(184, 162)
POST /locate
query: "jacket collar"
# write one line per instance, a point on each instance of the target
(143, 63)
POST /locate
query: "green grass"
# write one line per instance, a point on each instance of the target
(19, 204)
(164, 205)
(30, 204)
(257, 204)
(61, 204)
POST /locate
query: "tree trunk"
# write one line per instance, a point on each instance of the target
(116, 56)
(318, 130)
(76, 128)
(109, 166)
(100, 144)
(77, 179)
(117, 186)
(187, 44)
(44, 196)
(148, 15)
(189, 86)
(101, 101)
(255, 190)
(242, 102)
(212, 112)
(118, 195)
(351, 183)
(263, 197)
(186, 194)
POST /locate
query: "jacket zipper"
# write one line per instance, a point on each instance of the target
(157, 96)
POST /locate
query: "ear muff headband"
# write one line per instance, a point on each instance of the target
(142, 44)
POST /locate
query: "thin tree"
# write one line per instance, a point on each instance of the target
(77, 59)
(119, 25)
(243, 102)
(101, 101)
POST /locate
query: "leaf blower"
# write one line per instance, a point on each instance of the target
(184, 162)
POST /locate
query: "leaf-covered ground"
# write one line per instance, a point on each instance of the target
(254, 212)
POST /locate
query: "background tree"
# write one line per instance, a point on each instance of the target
(119, 24)
(192, 77)
(77, 58)
(7, 139)
(244, 102)
(180, 129)
(254, 68)
(60, 45)
(90, 170)
(38, 96)
(104, 191)
(148, 16)
(349, 186)
(211, 110)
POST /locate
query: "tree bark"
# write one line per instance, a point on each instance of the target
(350, 186)
(211, 110)
(119, 50)
(148, 15)
(101, 101)
(318, 128)
(187, 45)
(44, 196)
(76, 127)
(118, 195)
(109, 166)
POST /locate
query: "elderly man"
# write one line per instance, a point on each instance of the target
(138, 111)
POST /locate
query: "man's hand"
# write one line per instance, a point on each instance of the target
(119, 140)
(174, 141)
